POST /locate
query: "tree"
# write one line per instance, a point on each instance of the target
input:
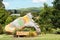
(56, 18)
(56, 4)
(3, 13)
(1, 4)
(45, 18)
(56, 14)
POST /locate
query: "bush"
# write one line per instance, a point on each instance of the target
(10, 19)
(32, 34)
(58, 31)
(53, 31)
(29, 29)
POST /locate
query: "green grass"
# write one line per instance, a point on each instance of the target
(40, 37)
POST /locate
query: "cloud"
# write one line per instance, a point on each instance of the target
(38, 1)
(6, 4)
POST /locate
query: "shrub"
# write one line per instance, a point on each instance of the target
(10, 19)
(53, 31)
(58, 31)
(32, 33)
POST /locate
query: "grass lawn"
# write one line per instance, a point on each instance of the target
(40, 37)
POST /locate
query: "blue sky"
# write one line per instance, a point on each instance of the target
(16, 4)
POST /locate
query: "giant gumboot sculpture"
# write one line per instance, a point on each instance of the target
(25, 21)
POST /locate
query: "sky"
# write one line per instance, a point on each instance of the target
(16, 4)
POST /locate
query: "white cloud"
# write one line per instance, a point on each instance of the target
(37, 1)
(6, 4)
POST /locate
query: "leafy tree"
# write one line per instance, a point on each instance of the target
(45, 18)
(56, 18)
(3, 13)
(56, 14)
(56, 4)
(1, 4)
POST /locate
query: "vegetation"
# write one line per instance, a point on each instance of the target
(1, 29)
(56, 4)
(40, 37)
(3, 13)
(47, 17)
